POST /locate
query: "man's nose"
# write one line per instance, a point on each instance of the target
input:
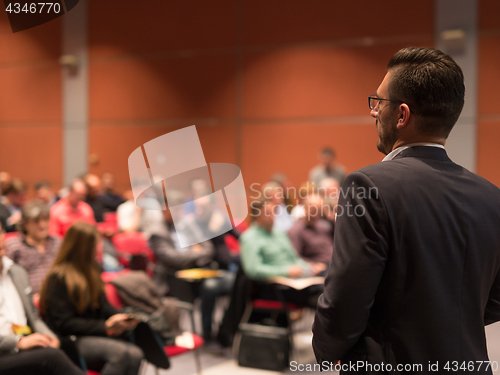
(373, 113)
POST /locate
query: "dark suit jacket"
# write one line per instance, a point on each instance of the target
(414, 275)
(22, 284)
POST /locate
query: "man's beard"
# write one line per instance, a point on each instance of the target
(386, 140)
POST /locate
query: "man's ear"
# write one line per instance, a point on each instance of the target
(403, 115)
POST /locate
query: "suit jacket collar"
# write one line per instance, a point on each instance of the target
(424, 152)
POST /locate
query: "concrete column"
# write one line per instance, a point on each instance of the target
(75, 91)
(461, 16)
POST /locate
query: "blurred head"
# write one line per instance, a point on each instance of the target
(203, 208)
(200, 187)
(77, 192)
(327, 157)
(274, 192)
(76, 264)
(314, 206)
(263, 214)
(107, 181)
(329, 188)
(93, 185)
(16, 193)
(43, 192)
(5, 181)
(35, 220)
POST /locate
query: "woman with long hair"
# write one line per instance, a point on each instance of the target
(73, 302)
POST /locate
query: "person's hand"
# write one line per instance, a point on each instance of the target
(54, 341)
(295, 271)
(14, 218)
(317, 268)
(116, 325)
(197, 248)
(34, 340)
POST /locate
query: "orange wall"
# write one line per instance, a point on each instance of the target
(488, 157)
(30, 102)
(268, 83)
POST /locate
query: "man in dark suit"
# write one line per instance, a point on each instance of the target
(414, 275)
(34, 353)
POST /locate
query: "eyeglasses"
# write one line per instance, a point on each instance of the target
(374, 101)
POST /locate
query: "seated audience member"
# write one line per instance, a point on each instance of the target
(312, 236)
(93, 198)
(282, 219)
(109, 198)
(329, 188)
(38, 351)
(14, 200)
(328, 167)
(133, 218)
(305, 189)
(34, 249)
(70, 209)
(286, 187)
(74, 303)
(267, 253)
(207, 222)
(170, 257)
(44, 193)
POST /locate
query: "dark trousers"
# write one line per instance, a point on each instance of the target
(39, 361)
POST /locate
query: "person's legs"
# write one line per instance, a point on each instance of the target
(43, 361)
(117, 357)
(210, 290)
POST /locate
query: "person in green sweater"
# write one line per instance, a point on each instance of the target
(266, 253)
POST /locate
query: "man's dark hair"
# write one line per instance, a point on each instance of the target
(432, 84)
(16, 187)
(328, 151)
(42, 184)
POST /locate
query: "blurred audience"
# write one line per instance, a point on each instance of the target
(27, 345)
(14, 200)
(132, 217)
(286, 187)
(273, 192)
(305, 189)
(74, 303)
(34, 249)
(70, 209)
(170, 257)
(94, 197)
(328, 167)
(266, 252)
(110, 199)
(312, 236)
(44, 193)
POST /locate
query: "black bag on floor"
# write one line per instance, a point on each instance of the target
(263, 347)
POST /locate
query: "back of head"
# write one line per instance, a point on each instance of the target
(432, 84)
(76, 264)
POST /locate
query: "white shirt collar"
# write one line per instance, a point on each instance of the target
(6, 264)
(400, 149)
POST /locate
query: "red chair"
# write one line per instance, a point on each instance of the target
(130, 244)
(171, 350)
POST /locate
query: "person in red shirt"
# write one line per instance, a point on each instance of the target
(70, 209)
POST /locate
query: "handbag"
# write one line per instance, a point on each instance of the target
(263, 347)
